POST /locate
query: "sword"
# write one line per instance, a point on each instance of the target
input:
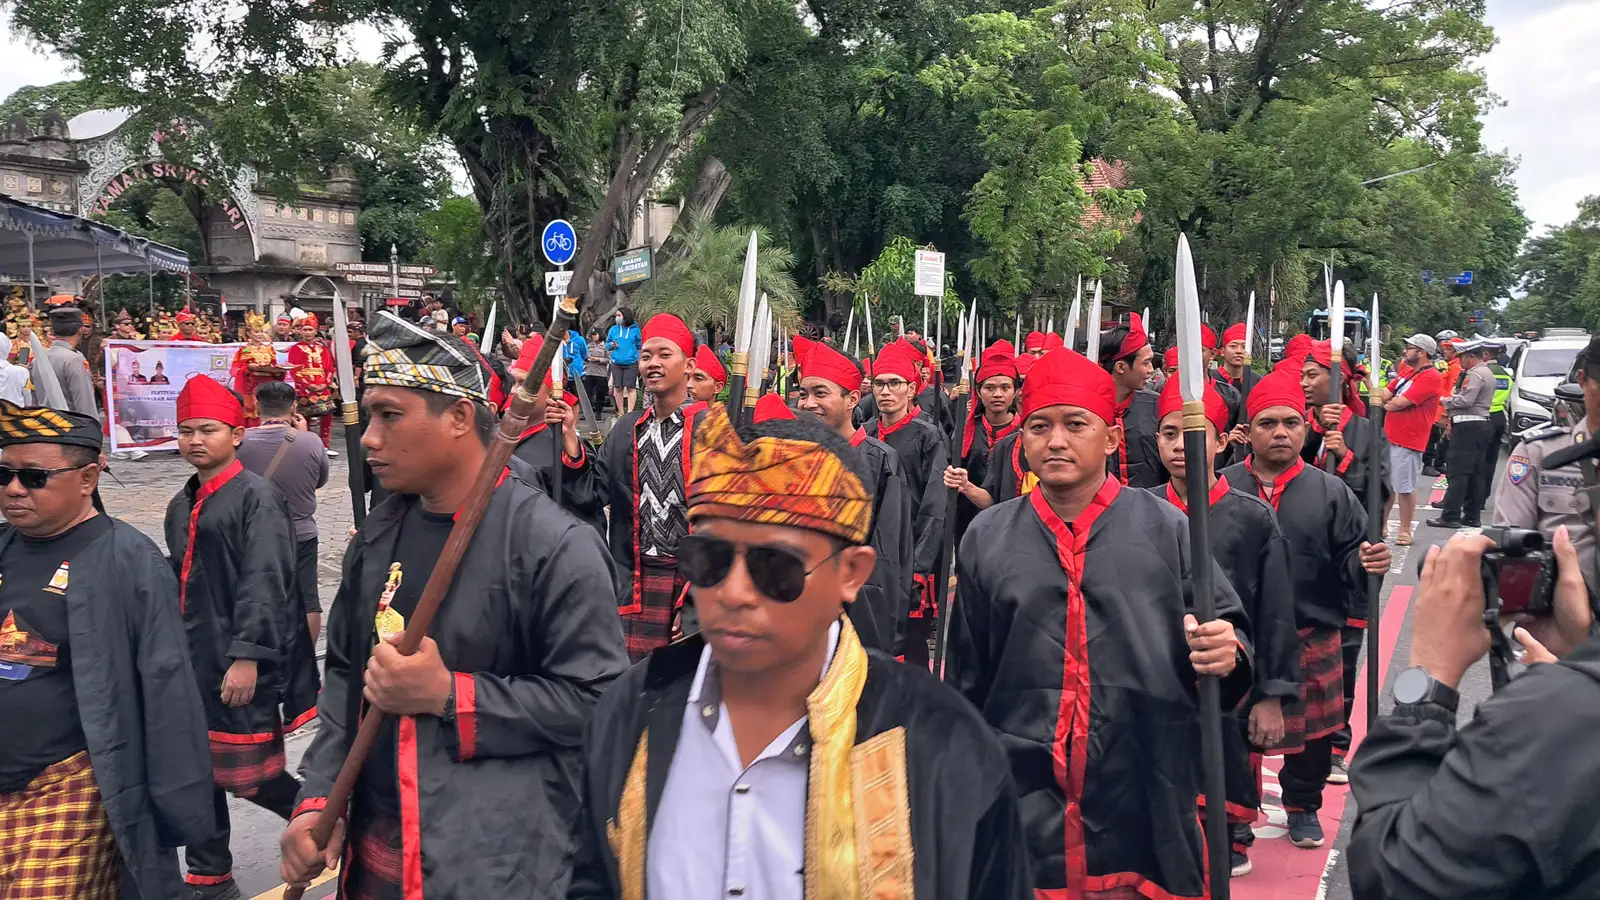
(744, 324)
(1191, 382)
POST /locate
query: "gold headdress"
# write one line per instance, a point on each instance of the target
(254, 321)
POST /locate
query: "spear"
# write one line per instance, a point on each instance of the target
(1375, 519)
(1072, 318)
(744, 323)
(760, 353)
(1191, 383)
(527, 402)
(849, 327)
(1335, 349)
(1016, 341)
(1093, 326)
(948, 546)
(487, 343)
(872, 336)
(1249, 327)
(351, 412)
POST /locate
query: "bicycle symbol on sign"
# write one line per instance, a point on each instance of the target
(558, 243)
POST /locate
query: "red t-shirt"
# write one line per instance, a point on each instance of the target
(1411, 426)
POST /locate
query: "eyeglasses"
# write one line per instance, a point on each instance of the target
(889, 384)
(33, 479)
(777, 573)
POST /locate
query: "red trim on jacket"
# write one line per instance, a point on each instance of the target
(1071, 745)
(301, 721)
(310, 804)
(466, 716)
(1277, 486)
(1322, 454)
(1217, 490)
(575, 462)
(885, 430)
(501, 480)
(200, 495)
(857, 438)
(228, 737)
(203, 880)
(1016, 467)
(410, 812)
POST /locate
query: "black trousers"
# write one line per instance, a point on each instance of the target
(1468, 469)
(212, 860)
(1491, 454)
(1350, 643)
(1303, 774)
(1437, 445)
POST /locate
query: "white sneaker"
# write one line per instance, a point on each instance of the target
(138, 455)
(333, 454)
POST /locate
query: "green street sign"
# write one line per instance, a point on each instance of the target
(632, 266)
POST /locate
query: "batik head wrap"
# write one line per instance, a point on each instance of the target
(401, 354)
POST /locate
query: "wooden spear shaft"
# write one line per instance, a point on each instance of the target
(524, 406)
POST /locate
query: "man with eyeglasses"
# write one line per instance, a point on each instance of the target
(770, 755)
(920, 446)
(95, 683)
(1075, 638)
(231, 542)
(829, 390)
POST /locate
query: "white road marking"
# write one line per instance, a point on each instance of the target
(1327, 870)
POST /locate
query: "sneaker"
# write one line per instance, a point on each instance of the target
(1445, 522)
(1430, 472)
(333, 454)
(1305, 831)
(228, 890)
(1340, 773)
(1241, 863)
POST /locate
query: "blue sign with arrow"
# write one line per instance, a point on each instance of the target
(1465, 278)
(560, 242)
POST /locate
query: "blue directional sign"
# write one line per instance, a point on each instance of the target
(1427, 276)
(1465, 278)
(560, 242)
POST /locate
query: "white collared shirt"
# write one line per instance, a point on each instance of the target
(724, 829)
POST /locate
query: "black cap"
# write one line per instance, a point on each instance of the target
(43, 425)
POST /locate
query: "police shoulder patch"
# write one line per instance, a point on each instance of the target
(1518, 468)
(1543, 433)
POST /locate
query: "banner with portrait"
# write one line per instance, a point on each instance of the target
(143, 379)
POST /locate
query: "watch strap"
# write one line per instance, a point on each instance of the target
(1426, 710)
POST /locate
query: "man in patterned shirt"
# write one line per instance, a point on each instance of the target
(640, 473)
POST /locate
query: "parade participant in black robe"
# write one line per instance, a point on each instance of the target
(881, 612)
(993, 416)
(708, 376)
(931, 400)
(1074, 637)
(537, 448)
(1341, 430)
(867, 409)
(875, 780)
(1235, 374)
(471, 789)
(1253, 553)
(1330, 560)
(231, 543)
(640, 474)
(1125, 353)
(105, 768)
(921, 448)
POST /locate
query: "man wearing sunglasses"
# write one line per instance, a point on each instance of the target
(96, 689)
(231, 540)
(1075, 600)
(920, 446)
(829, 390)
(770, 755)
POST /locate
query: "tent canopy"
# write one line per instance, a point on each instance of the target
(71, 246)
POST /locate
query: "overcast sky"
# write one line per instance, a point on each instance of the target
(1542, 68)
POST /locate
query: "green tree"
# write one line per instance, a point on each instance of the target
(700, 285)
(70, 98)
(1560, 271)
(456, 245)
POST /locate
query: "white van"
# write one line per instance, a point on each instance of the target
(1537, 367)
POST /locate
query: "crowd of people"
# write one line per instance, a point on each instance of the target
(693, 659)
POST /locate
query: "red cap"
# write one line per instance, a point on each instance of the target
(1295, 353)
(202, 398)
(866, 368)
(1002, 344)
(1053, 341)
(1350, 376)
(310, 319)
(531, 345)
(669, 326)
(818, 360)
(706, 360)
(899, 359)
(1024, 364)
(1208, 338)
(1170, 360)
(1135, 340)
(1171, 401)
(1034, 341)
(1235, 332)
(1067, 378)
(284, 317)
(770, 407)
(183, 316)
(997, 360)
(1281, 388)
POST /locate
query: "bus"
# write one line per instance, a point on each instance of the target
(1357, 328)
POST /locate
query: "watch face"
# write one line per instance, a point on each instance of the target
(1411, 686)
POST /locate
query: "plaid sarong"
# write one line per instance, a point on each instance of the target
(374, 853)
(650, 628)
(242, 762)
(55, 839)
(1319, 711)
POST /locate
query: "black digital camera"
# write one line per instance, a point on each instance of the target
(1519, 572)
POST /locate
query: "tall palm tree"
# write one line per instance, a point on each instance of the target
(701, 284)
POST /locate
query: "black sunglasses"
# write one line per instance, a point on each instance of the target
(34, 479)
(778, 573)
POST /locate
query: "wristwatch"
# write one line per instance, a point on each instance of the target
(1415, 687)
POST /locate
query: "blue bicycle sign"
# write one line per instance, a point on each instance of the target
(560, 242)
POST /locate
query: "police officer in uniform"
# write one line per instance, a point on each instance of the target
(1470, 440)
(1531, 497)
(1494, 351)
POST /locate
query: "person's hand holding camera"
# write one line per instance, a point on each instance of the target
(1548, 638)
(1447, 631)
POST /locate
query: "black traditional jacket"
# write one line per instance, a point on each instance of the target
(537, 448)
(1325, 526)
(921, 448)
(883, 607)
(949, 816)
(1356, 467)
(231, 542)
(980, 438)
(488, 796)
(141, 710)
(1069, 639)
(1137, 463)
(610, 478)
(1007, 476)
